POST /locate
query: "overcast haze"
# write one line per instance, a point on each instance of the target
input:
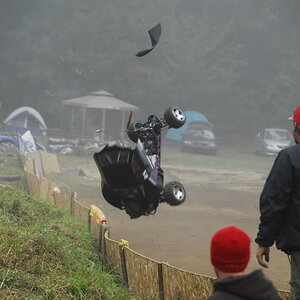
(235, 61)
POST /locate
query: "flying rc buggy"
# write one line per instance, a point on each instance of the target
(131, 177)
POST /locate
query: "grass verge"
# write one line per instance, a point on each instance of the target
(47, 254)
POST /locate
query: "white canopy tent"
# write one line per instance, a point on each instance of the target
(100, 100)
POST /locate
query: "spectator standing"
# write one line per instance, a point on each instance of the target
(280, 209)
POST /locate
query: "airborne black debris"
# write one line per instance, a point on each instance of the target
(154, 34)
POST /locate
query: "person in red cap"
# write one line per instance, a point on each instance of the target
(230, 254)
(280, 209)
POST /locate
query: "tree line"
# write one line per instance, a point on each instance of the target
(237, 62)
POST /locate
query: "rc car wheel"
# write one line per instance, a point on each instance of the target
(175, 117)
(132, 131)
(173, 193)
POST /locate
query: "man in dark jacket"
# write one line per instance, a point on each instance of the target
(280, 209)
(230, 254)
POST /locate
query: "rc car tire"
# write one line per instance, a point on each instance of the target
(175, 117)
(173, 193)
(132, 131)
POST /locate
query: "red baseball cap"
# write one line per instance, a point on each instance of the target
(296, 116)
(230, 250)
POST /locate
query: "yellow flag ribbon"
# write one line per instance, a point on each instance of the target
(124, 243)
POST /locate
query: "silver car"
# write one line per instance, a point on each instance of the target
(270, 141)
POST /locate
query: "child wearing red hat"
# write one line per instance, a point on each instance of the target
(230, 254)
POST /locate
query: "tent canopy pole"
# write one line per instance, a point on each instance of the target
(83, 121)
(103, 121)
(123, 125)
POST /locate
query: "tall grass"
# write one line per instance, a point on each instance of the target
(47, 254)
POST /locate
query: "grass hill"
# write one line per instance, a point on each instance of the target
(47, 254)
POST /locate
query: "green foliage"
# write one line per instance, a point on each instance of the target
(46, 254)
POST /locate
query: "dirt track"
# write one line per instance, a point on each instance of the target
(181, 235)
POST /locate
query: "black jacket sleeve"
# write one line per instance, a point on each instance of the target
(274, 200)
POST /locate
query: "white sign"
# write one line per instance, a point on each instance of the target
(27, 143)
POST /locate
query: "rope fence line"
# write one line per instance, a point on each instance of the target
(142, 275)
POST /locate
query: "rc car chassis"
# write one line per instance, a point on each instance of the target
(132, 179)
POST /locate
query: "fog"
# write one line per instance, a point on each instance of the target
(235, 61)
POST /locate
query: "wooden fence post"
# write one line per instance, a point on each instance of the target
(73, 198)
(160, 281)
(98, 238)
(89, 220)
(104, 229)
(123, 264)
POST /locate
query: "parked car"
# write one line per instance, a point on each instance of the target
(270, 141)
(199, 138)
